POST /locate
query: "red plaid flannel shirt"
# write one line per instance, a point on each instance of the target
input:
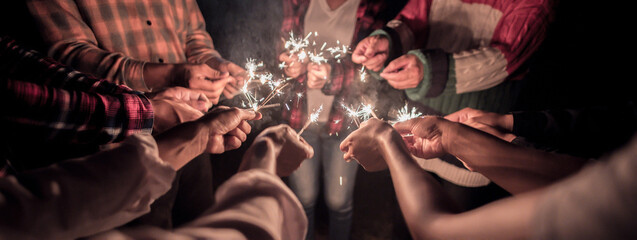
(65, 105)
(295, 109)
(113, 39)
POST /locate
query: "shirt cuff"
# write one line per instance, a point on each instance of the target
(382, 32)
(133, 72)
(436, 68)
(421, 90)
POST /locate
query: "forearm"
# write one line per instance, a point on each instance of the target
(158, 76)
(100, 118)
(431, 214)
(421, 198)
(84, 196)
(514, 168)
(180, 144)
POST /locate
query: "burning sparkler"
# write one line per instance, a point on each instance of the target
(360, 114)
(363, 74)
(368, 110)
(317, 58)
(252, 66)
(312, 118)
(404, 114)
(294, 45)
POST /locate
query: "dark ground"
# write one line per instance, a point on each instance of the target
(586, 59)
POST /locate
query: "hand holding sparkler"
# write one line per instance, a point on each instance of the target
(429, 135)
(291, 64)
(365, 145)
(236, 78)
(200, 77)
(312, 119)
(317, 75)
(404, 72)
(278, 150)
(372, 52)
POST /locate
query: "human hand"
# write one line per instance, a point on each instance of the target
(372, 52)
(317, 75)
(280, 144)
(499, 125)
(228, 127)
(235, 80)
(171, 112)
(194, 98)
(367, 144)
(200, 77)
(293, 67)
(404, 72)
(430, 136)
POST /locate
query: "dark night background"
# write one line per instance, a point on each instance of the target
(586, 59)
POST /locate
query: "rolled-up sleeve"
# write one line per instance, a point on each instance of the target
(84, 196)
(251, 205)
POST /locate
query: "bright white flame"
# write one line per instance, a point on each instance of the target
(367, 111)
(404, 114)
(252, 66)
(295, 45)
(363, 74)
(302, 56)
(282, 65)
(317, 58)
(314, 116)
(264, 78)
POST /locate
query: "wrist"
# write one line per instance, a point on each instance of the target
(507, 122)
(395, 151)
(260, 155)
(217, 62)
(449, 134)
(176, 75)
(158, 76)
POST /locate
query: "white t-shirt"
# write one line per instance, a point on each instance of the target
(331, 26)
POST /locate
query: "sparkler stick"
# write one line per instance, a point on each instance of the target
(272, 94)
(312, 118)
(270, 106)
(353, 114)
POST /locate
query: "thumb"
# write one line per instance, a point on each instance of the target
(245, 114)
(394, 66)
(370, 51)
(406, 126)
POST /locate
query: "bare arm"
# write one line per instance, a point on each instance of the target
(514, 168)
(427, 209)
(220, 130)
(430, 213)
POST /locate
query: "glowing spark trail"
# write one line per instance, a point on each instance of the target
(312, 118)
(363, 74)
(404, 114)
